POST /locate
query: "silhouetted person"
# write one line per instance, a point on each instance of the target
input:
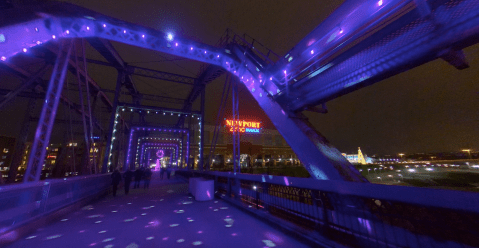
(147, 175)
(115, 180)
(128, 176)
(168, 172)
(162, 173)
(138, 174)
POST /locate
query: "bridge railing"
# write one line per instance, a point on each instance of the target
(23, 203)
(358, 214)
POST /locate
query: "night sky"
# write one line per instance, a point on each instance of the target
(431, 108)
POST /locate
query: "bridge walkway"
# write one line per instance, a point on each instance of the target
(162, 216)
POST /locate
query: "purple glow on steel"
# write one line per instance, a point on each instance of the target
(54, 37)
(312, 51)
(271, 78)
(3, 58)
(380, 2)
(143, 36)
(68, 31)
(284, 71)
(39, 42)
(104, 25)
(205, 52)
(341, 31)
(24, 50)
(124, 31)
(176, 44)
(87, 28)
(191, 48)
(218, 56)
(286, 181)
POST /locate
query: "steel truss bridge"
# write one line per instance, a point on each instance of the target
(360, 43)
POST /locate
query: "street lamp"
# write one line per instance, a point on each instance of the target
(468, 151)
(401, 155)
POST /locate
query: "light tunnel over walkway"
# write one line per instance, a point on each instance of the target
(162, 216)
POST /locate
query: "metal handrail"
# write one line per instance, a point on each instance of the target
(363, 213)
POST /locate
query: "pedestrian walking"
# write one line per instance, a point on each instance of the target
(115, 180)
(128, 175)
(138, 175)
(147, 175)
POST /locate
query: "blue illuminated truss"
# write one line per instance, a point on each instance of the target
(361, 43)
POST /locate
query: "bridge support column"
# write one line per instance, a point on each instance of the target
(47, 116)
(111, 127)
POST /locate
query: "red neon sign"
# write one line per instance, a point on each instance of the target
(243, 126)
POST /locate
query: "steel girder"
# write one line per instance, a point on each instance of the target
(47, 116)
(73, 69)
(400, 38)
(26, 75)
(209, 74)
(105, 48)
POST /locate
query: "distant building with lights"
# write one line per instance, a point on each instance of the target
(258, 147)
(359, 158)
(7, 145)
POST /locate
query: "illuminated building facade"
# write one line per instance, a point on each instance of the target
(259, 146)
(6, 151)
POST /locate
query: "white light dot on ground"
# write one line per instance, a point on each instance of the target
(132, 245)
(269, 243)
(108, 240)
(64, 219)
(104, 231)
(173, 225)
(200, 231)
(165, 238)
(82, 231)
(129, 203)
(228, 225)
(114, 211)
(143, 214)
(98, 222)
(215, 209)
(190, 220)
(223, 207)
(54, 236)
(197, 243)
(216, 201)
(187, 202)
(31, 237)
(150, 238)
(161, 199)
(108, 246)
(180, 240)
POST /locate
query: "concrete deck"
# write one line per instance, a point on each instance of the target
(162, 216)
